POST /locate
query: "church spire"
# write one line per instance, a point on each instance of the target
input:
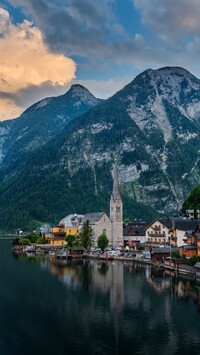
(116, 210)
(115, 191)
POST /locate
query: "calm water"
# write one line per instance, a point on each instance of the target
(94, 308)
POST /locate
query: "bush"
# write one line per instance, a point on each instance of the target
(194, 259)
(33, 237)
(41, 240)
(24, 241)
(140, 247)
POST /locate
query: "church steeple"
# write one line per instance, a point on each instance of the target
(116, 210)
(115, 191)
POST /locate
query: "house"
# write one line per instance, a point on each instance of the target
(134, 234)
(188, 250)
(159, 231)
(57, 235)
(159, 254)
(192, 213)
(71, 223)
(100, 223)
(45, 230)
(198, 244)
(75, 252)
(180, 226)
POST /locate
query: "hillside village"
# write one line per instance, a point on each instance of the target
(162, 235)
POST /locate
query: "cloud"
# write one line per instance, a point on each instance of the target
(74, 27)
(26, 62)
(171, 20)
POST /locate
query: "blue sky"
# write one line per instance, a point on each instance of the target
(47, 45)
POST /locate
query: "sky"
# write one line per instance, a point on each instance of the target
(48, 45)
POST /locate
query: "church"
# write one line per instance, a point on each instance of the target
(111, 226)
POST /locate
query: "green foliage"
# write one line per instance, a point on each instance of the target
(70, 239)
(33, 225)
(194, 259)
(175, 254)
(41, 240)
(127, 220)
(193, 200)
(103, 269)
(45, 191)
(33, 237)
(85, 235)
(140, 247)
(102, 241)
(24, 241)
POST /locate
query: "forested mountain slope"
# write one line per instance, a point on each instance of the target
(151, 127)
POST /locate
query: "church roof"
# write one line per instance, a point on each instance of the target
(92, 217)
(115, 192)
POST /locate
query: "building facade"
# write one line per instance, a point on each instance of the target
(100, 223)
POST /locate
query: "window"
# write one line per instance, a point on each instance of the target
(104, 231)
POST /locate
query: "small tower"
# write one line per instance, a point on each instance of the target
(116, 211)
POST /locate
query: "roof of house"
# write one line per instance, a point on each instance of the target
(190, 247)
(192, 211)
(186, 224)
(92, 217)
(190, 231)
(72, 220)
(131, 231)
(167, 222)
(164, 250)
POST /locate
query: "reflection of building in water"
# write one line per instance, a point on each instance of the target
(117, 285)
(186, 290)
(67, 273)
(108, 276)
(158, 280)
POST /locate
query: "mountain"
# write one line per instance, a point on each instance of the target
(151, 127)
(38, 124)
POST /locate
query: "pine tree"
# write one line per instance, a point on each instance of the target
(86, 235)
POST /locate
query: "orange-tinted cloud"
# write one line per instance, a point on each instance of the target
(26, 61)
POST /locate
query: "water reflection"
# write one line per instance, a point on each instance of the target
(95, 307)
(108, 277)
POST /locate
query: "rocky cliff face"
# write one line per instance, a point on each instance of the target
(151, 127)
(38, 124)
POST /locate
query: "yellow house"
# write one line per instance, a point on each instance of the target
(57, 235)
(71, 230)
(71, 223)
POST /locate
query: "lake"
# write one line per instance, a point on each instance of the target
(91, 307)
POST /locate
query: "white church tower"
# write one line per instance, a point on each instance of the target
(116, 211)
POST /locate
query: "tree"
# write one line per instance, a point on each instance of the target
(70, 239)
(127, 220)
(85, 235)
(24, 241)
(41, 240)
(102, 241)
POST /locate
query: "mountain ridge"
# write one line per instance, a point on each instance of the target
(152, 126)
(39, 123)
